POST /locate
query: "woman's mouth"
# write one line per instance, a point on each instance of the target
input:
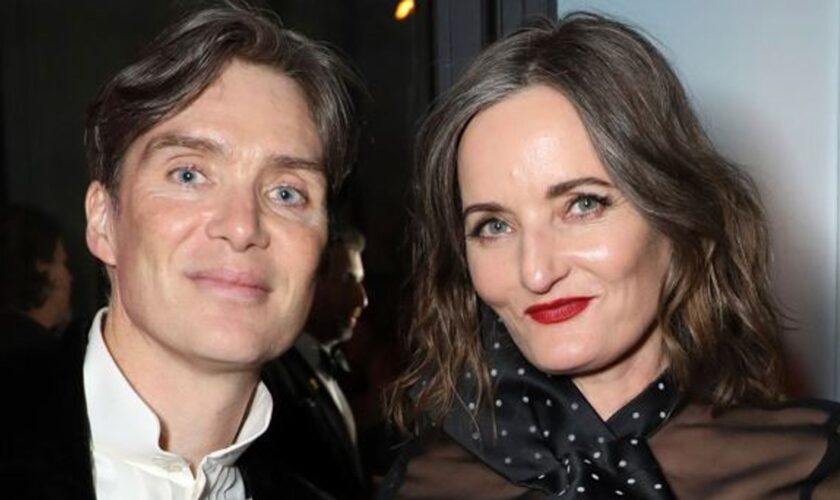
(558, 311)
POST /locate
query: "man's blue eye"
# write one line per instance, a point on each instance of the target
(288, 195)
(186, 175)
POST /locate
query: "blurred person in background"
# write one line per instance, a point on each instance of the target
(340, 298)
(35, 282)
(321, 428)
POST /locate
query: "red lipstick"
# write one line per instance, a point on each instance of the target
(559, 310)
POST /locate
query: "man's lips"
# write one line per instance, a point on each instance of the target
(559, 310)
(239, 284)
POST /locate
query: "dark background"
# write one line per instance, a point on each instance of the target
(54, 54)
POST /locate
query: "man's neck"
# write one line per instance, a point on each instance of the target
(200, 411)
(43, 315)
(329, 337)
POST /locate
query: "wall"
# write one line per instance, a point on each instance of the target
(54, 55)
(763, 75)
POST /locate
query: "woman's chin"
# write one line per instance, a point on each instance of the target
(560, 362)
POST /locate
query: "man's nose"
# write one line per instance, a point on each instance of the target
(360, 296)
(542, 260)
(237, 219)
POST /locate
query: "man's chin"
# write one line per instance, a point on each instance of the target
(233, 345)
(347, 333)
(229, 361)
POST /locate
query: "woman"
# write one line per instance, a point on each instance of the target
(593, 315)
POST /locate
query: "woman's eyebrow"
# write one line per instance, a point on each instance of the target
(552, 192)
(563, 187)
(481, 207)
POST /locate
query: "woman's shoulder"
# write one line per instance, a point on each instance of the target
(434, 466)
(814, 418)
(742, 452)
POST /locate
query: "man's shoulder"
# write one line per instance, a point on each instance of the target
(268, 476)
(43, 385)
(44, 364)
(290, 377)
(29, 371)
(20, 334)
(46, 441)
(308, 432)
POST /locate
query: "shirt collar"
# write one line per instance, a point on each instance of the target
(113, 406)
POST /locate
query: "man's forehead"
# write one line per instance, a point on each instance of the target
(196, 141)
(249, 106)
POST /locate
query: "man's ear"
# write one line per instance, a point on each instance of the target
(99, 233)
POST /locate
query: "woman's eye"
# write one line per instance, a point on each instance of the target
(491, 228)
(588, 204)
(287, 195)
(187, 175)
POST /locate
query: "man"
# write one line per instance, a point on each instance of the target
(35, 282)
(340, 298)
(321, 431)
(214, 158)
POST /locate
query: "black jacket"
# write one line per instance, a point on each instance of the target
(317, 443)
(45, 444)
(20, 333)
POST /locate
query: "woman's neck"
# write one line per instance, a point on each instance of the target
(610, 389)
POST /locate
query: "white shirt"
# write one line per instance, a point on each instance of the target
(128, 461)
(310, 348)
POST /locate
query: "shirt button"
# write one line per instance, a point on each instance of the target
(169, 464)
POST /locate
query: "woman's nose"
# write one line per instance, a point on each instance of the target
(542, 260)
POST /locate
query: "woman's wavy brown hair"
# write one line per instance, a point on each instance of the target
(719, 316)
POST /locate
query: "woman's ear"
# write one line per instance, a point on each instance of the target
(99, 232)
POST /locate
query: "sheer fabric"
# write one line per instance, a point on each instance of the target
(784, 453)
(540, 438)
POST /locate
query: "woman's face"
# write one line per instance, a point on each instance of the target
(557, 251)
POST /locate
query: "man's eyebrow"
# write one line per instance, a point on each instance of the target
(562, 188)
(180, 140)
(296, 162)
(175, 139)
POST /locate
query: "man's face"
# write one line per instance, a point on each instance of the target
(58, 290)
(340, 297)
(215, 240)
